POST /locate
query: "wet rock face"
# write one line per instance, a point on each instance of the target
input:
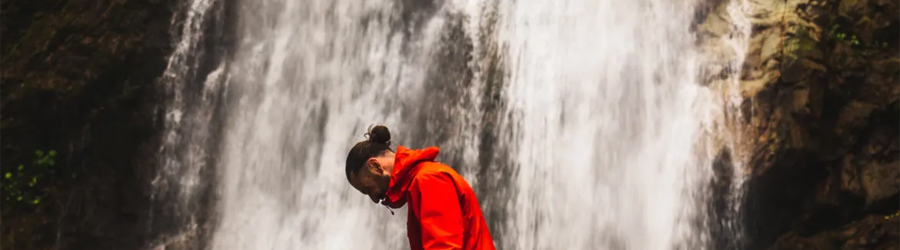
(78, 78)
(872, 232)
(724, 232)
(821, 106)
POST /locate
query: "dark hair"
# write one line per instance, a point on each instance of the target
(378, 141)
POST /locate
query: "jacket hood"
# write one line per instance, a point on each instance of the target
(405, 168)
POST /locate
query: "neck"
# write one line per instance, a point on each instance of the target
(388, 164)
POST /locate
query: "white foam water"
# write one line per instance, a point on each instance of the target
(609, 113)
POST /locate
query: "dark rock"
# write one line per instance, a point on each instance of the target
(776, 198)
(824, 131)
(871, 232)
(78, 78)
(721, 210)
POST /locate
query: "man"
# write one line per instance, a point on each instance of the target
(443, 209)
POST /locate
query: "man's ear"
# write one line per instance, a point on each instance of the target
(374, 166)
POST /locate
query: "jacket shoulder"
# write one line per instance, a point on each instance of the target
(431, 169)
(435, 171)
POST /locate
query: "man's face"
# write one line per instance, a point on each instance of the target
(371, 180)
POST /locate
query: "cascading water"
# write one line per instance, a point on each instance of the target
(609, 108)
(580, 124)
(310, 77)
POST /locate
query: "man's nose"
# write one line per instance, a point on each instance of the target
(374, 199)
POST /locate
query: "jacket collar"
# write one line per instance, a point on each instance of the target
(406, 162)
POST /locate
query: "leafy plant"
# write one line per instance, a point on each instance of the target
(853, 40)
(20, 185)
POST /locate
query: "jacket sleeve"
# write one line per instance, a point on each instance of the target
(438, 211)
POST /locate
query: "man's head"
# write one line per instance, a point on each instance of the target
(370, 163)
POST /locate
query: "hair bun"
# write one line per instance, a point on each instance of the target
(380, 134)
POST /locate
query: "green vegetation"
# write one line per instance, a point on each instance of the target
(21, 185)
(850, 39)
(895, 215)
(800, 45)
(836, 34)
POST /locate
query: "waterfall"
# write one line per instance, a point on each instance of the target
(608, 106)
(580, 124)
(194, 91)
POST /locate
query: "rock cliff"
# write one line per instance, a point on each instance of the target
(821, 118)
(79, 120)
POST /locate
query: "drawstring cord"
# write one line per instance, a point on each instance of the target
(388, 207)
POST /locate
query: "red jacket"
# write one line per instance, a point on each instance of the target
(443, 209)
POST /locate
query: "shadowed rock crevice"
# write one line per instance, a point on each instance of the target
(722, 221)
